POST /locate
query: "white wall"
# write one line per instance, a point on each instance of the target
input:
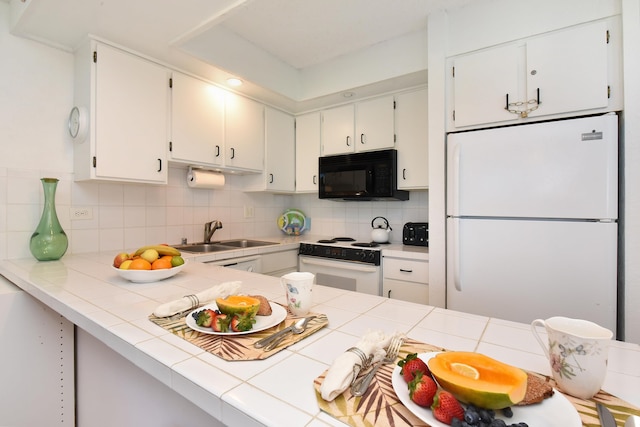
(36, 94)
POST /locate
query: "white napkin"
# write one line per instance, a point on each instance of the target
(341, 372)
(222, 290)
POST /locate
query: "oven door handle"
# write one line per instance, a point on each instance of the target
(343, 265)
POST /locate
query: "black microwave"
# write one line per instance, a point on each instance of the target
(360, 176)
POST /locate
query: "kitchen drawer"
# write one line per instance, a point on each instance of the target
(405, 291)
(407, 270)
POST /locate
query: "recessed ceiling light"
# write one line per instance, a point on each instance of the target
(348, 94)
(234, 82)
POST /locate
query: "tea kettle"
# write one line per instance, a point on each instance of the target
(380, 233)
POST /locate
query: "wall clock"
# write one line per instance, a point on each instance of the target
(78, 124)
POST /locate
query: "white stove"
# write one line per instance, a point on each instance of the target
(343, 263)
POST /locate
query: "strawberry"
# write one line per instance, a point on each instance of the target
(242, 323)
(412, 364)
(446, 407)
(205, 317)
(422, 389)
(220, 323)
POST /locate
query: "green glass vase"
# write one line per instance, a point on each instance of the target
(49, 242)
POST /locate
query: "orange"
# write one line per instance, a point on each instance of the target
(140, 264)
(161, 263)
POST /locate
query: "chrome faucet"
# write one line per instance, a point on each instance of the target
(210, 228)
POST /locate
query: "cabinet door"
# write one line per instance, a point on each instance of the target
(374, 124)
(569, 68)
(244, 133)
(131, 116)
(405, 291)
(280, 146)
(337, 130)
(483, 83)
(411, 140)
(307, 152)
(197, 121)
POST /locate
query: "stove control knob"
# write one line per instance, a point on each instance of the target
(372, 255)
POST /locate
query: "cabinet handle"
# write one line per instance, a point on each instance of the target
(389, 294)
(538, 96)
(217, 151)
(506, 106)
(348, 143)
(314, 180)
(404, 174)
(233, 152)
(362, 141)
(159, 165)
(271, 178)
(406, 271)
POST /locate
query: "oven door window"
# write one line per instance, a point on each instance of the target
(340, 282)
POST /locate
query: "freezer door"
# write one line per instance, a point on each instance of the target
(523, 270)
(563, 169)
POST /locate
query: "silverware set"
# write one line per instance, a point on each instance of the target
(273, 340)
(361, 384)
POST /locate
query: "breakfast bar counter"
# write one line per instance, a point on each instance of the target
(277, 390)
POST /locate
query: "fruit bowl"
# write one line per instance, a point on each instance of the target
(144, 276)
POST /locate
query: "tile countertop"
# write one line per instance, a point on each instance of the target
(85, 290)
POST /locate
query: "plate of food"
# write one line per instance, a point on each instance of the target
(262, 322)
(553, 411)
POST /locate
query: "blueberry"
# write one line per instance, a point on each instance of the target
(498, 423)
(507, 412)
(485, 416)
(472, 417)
(456, 423)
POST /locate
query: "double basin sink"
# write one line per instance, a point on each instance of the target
(223, 245)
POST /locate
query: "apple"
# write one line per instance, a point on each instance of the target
(125, 264)
(120, 258)
(150, 255)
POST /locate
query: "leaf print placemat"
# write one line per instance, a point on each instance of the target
(380, 406)
(240, 347)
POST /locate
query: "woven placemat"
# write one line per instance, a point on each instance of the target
(240, 347)
(380, 407)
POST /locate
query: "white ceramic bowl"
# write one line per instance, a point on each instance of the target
(145, 276)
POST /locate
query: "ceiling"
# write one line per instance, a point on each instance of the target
(297, 54)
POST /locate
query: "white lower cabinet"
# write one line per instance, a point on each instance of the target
(280, 263)
(405, 279)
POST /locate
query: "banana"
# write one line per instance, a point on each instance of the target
(162, 250)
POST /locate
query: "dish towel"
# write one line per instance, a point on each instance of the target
(188, 302)
(346, 367)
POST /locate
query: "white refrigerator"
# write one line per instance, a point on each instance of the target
(532, 220)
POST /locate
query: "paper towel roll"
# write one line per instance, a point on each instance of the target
(199, 178)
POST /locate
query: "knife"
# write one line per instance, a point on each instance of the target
(605, 415)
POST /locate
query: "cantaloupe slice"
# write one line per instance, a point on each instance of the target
(478, 379)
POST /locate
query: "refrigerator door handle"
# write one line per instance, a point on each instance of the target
(454, 253)
(453, 179)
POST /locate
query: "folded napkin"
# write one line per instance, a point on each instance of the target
(187, 302)
(370, 349)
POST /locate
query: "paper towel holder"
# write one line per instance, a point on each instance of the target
(212, 178)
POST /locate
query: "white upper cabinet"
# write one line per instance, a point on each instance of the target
(412, 140)
(338, 130)
(559, 73)
(375, 124)
(364, 126)
(127, 99)
(197, 121)
(307, 152)
(280, 147)
(244, 134)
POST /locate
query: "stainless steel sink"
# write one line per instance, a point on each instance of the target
(245, 243)
(202, 247)
(226, 245)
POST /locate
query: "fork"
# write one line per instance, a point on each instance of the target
(361, 385)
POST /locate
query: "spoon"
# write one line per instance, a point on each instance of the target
(297, 328)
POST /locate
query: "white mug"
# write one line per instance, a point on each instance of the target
(577, 353)
(298, 288)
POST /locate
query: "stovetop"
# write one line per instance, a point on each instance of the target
(343, 248)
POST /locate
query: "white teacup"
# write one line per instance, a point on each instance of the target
(298, 288)
(577, 352)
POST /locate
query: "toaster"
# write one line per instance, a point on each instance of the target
(416, 234)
